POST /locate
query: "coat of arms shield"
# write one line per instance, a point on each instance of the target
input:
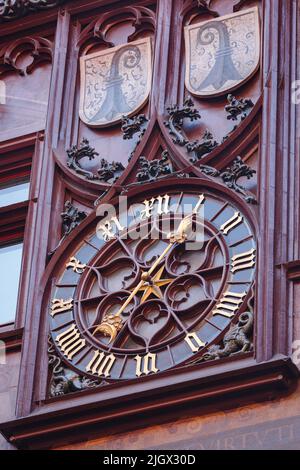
(223, 53)
(115, 82)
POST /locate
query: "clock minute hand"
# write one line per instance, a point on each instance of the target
(180, 237)
(110, 327)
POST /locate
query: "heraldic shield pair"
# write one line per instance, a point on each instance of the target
(221, 55)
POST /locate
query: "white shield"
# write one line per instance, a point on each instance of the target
(115, 82)
(223, 53)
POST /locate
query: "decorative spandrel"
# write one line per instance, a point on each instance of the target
(223, 53)
(128, 306)
(115, 83)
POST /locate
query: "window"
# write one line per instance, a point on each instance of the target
(19, 192)
(10, 268)
(15, 173)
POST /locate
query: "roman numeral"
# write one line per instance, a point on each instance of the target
(146, 364)
(229, 304)
(243, 261)
(101, 364)
(199, 204)
(231, 223)
(194, 342)
(76, 265)
(60, 306)
(70, 342)
(163, 207)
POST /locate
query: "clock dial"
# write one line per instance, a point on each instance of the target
(154, 289)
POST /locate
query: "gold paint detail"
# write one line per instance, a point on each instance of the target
(243, 261)
(163, 207)
(228, 226)
(117, 223)
(194, 342)
(107, 231)
(178, 237)
(60, 306)
(110, 327)
(70, 342)
(183, 231)
(199, 204)
(153, 285)
(101, 364)
(229, 304)
(76, 265)
(146, 365)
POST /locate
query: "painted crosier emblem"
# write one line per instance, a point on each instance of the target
(115, 83)
(222, 54)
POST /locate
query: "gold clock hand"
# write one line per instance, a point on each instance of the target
(180, 236)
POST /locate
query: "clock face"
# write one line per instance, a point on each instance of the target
(153, 289)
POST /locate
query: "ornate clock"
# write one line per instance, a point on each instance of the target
(154, 288)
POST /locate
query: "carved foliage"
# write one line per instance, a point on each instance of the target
(109, 171)
(132, 126)
(238, 170)
(40, 49)
(152, 170)
(106, 172)
(71, 218)
(177, 115)
(231, 175)
(75, 154)
(13, 9)
(202, 147)
(238, 108)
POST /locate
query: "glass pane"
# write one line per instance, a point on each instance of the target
(10, 267)
(13, 194)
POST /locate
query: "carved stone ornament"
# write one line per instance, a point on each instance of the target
(238, 170)
(238, 108)
(132, 126)
(177, 115)
(202, 147)
(40, 50)
(237, 340)
(64, 381)
(75, 154)
(231, 175)
(71, 218)
(106, 172)
(109, 171)
(223, 53)
(115, 82)
(151, 170)
(13, 9)
(175, 123)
